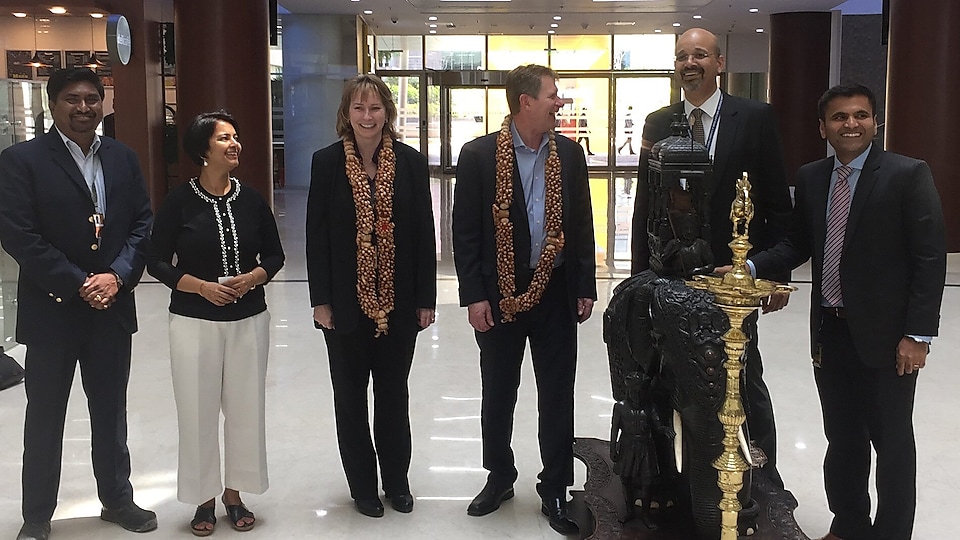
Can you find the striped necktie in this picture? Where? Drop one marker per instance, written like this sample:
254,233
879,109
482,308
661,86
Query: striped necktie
833,245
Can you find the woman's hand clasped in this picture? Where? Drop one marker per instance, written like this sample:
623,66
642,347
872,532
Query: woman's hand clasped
323,316
218,294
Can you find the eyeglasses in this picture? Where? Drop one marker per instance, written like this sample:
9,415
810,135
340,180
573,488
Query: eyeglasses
700,55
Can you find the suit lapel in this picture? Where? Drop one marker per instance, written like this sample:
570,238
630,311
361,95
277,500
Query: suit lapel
819,190
726,135
865,184
63,158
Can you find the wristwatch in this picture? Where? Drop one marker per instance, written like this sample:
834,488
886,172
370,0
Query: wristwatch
119,281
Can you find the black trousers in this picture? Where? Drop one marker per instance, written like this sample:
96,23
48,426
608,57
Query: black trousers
863,405
758,405
354,357
551,329
103,351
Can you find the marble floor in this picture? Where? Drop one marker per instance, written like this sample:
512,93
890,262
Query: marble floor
309,497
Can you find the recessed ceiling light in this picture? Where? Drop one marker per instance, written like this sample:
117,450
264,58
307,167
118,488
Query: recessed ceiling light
554,25
557,18
432,18
676,24
433,26
621,23
58,10
354,0
551,31
433,31
97,15
759,30
657,31
19,15
698,17
754,10
368,12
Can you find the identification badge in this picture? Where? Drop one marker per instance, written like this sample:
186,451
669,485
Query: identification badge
97,220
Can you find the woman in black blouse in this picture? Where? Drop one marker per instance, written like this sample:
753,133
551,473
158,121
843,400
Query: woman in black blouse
226,244
371,267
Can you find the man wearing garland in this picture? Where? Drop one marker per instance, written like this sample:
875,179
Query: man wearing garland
524,252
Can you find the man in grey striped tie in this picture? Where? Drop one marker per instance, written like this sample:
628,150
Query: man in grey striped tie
872,223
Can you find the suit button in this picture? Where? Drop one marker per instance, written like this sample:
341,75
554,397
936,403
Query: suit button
90,219
51,295
59,300
94,247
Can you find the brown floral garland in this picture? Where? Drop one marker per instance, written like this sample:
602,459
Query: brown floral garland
375,259
510,304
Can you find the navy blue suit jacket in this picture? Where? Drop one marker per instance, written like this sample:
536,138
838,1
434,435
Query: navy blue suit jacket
45,211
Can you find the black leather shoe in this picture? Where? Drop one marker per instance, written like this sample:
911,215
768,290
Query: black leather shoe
34,531
489,499
555,508
402,503
131,517
369,507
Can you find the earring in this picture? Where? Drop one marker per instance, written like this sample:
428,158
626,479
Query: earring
204,162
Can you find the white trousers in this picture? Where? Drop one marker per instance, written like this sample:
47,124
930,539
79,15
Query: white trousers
220,366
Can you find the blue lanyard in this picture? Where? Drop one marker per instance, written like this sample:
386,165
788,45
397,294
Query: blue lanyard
714,122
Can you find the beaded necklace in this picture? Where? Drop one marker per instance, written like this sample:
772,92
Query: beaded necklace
376,249
510,304
194,183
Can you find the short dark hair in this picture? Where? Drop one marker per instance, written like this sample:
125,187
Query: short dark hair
364,84
196,141
525,80
846,90
62,77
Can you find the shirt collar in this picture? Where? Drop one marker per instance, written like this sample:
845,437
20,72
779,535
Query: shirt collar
857,162
518,142
709,106
70,144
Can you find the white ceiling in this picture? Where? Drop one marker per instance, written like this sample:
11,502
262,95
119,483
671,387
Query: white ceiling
524,17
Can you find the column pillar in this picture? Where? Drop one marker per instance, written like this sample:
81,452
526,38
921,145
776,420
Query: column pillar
138,90
319,54
223,63
799,74
921,112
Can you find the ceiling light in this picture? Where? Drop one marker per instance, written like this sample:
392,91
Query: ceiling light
557,18
759,30
554,25
354,0
754,10
58,10
368,12
433,31
97,15
657,31
698,17
433,26
551,31
621,23
676,24
432,18
19,15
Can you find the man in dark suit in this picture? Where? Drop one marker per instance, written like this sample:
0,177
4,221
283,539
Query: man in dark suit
526,273
872,223
75,215
741,136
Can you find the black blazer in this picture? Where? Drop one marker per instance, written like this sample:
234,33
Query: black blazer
45,210
747,140
332,238
474,246
893,265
